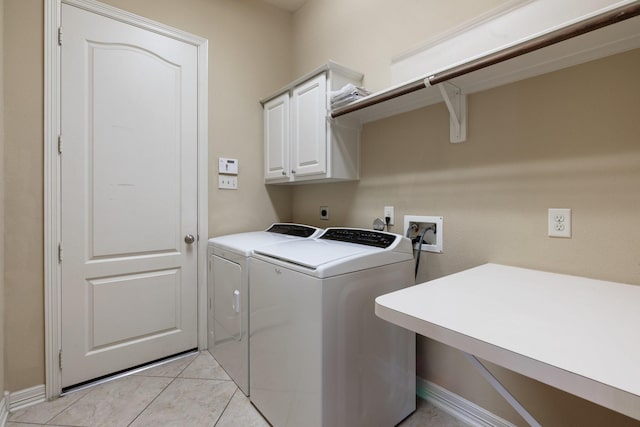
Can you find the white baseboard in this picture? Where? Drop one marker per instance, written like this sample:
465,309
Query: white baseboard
27,397
457,406
4,411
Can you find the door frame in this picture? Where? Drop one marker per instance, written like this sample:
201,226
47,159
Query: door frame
52,193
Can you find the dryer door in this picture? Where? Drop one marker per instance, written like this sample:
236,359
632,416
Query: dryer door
227,305
229,337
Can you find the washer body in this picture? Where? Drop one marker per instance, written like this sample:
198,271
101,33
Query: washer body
319,355
228,293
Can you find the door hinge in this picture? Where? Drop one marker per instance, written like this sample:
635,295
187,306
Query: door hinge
60,359
59,36
59,144
59,253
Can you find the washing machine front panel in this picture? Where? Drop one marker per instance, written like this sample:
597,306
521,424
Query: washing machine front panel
285,345
316,340
369,363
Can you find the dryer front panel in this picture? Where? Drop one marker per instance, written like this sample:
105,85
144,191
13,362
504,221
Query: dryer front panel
228,339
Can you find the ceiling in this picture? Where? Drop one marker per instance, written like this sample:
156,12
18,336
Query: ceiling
290,5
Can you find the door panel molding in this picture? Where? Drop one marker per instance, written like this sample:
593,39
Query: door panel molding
52,193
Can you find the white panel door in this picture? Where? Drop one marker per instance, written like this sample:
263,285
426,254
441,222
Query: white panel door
129,196
276,138
309,127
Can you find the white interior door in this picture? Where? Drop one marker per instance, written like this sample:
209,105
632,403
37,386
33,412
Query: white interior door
129,195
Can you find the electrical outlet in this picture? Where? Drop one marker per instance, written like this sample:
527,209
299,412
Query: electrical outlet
425,232
559,222
324,212
389,212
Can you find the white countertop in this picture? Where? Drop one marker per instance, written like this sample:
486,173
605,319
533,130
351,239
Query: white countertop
577,334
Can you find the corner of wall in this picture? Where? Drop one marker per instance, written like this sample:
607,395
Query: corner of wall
4,409
2,364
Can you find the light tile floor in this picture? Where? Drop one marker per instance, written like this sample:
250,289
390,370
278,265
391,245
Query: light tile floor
192,391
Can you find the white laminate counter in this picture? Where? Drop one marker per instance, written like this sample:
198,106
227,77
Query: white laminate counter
577,334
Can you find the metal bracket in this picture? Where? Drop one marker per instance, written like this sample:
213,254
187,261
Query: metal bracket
456,103
502,390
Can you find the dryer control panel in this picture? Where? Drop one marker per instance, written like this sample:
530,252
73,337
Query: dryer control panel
292,229
360,236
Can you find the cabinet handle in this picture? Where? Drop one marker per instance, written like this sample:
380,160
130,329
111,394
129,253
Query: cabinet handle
284,173
293,171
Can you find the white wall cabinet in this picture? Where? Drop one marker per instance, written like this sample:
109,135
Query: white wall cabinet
302,143
276,138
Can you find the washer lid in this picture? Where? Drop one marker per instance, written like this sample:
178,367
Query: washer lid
324,257
314,253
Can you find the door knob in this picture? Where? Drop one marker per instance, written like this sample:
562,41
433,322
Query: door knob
189,239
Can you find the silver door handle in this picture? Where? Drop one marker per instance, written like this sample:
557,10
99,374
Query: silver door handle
236,301
189,239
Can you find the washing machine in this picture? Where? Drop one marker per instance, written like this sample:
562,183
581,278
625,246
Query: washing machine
319,356
228,289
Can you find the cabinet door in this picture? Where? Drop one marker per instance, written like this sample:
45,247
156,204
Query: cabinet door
309,127
276,139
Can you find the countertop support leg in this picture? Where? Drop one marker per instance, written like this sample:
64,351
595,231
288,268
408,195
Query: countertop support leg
502,390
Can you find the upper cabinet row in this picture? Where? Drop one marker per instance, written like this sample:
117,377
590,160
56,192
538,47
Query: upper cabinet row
301,142
307,141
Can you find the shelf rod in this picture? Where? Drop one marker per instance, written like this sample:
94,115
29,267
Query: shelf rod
613,16
608,18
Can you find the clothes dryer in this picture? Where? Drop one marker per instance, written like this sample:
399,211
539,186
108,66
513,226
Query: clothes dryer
228,290
319,356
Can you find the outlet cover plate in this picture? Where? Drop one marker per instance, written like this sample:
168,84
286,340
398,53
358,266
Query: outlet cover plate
389,212
324,212
559,222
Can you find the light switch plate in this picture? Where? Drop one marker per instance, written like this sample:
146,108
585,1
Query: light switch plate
228,182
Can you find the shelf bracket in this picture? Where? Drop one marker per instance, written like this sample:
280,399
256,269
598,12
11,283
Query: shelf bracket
456,103
502,390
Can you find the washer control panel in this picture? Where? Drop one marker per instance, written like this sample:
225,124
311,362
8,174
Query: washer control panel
360,236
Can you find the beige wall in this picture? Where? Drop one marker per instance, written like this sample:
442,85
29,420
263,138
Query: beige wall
249,57
1,199
24,318
567,139
366,34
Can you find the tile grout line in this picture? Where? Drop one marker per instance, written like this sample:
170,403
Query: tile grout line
162,391
226,406
55,415
70,405
152,400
